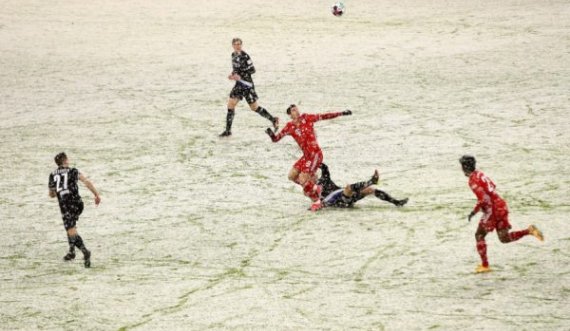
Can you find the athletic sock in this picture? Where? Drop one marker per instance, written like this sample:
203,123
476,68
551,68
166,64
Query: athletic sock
309,190
516,235
482,250
71,245
78,242
229,119
384,196
264,113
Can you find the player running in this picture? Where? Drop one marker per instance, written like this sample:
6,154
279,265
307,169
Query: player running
242,69
334,196
495,212
301,129
63,184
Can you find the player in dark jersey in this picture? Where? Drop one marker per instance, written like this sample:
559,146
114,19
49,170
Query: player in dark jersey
63,184
242,69
334,196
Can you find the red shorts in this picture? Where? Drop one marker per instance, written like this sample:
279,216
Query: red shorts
309,163
496,218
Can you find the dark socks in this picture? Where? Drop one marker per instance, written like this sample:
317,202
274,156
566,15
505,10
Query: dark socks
229,120
385,196
71,245
78,242
264,113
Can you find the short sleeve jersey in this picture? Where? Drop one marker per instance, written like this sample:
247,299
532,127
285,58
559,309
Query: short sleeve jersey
63,181
485,191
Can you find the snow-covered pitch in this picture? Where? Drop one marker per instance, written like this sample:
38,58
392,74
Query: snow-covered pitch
197,232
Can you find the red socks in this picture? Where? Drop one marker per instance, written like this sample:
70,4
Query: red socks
482,250
310,190
516,235
482,245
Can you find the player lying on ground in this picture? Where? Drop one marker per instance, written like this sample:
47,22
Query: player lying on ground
335,196
242,69
495,212
301,129
63,184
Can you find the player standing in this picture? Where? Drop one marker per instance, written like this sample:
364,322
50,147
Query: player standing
301,129
63,184
242,69
495,212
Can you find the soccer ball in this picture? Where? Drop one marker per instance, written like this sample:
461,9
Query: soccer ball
337,9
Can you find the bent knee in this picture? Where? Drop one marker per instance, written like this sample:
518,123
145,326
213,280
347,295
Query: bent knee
232,103
253,106
505,239
367,191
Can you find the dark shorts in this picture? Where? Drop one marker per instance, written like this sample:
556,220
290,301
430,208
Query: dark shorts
241,91
70,214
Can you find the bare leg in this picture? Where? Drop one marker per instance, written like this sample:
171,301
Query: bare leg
72,232
253,106
367,191
365,188
232,103
304,178
294,176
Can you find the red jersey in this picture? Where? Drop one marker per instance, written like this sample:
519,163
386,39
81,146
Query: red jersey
484,189
304,133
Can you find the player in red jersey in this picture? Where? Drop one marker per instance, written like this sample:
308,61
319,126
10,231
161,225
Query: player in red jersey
495,212
301,129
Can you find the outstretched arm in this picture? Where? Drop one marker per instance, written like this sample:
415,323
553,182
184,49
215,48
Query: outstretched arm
91,188
276,137
328,116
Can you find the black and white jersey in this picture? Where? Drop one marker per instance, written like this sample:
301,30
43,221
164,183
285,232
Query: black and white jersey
242,65
63,181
